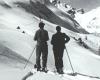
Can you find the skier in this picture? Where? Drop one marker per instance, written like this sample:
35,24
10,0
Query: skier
41,37
58,41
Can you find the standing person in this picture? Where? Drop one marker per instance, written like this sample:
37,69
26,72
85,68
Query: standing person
58,41
41,37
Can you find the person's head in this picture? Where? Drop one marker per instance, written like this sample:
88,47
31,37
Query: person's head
58,28
41,25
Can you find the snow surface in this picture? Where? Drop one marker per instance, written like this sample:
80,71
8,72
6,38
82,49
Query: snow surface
18,43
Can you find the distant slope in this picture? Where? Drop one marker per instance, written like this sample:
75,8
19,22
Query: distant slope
50,13
90,20
15,48
11,58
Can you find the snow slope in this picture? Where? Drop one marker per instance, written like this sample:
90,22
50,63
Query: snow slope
83,60
55,16
90,20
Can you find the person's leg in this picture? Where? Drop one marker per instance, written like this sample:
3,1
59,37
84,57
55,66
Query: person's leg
60,61
38,54
61,57
56,58
44,56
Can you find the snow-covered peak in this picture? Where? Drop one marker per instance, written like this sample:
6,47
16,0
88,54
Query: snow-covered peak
90,20
92,14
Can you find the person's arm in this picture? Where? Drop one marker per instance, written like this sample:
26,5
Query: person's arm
47,37
67,38
52,40
35,37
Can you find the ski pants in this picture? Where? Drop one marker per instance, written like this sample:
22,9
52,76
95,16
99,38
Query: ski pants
41,50
58,55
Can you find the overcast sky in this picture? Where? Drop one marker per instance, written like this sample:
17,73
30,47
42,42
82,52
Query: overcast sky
86,4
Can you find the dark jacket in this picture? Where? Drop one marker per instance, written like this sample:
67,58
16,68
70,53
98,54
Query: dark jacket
59,40
41,36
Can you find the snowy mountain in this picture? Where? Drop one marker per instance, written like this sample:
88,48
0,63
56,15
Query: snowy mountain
16,46
90,20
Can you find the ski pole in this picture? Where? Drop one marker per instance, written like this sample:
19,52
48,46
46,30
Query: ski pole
70,61
29,57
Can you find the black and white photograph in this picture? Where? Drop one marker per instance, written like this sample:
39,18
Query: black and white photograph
49,39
